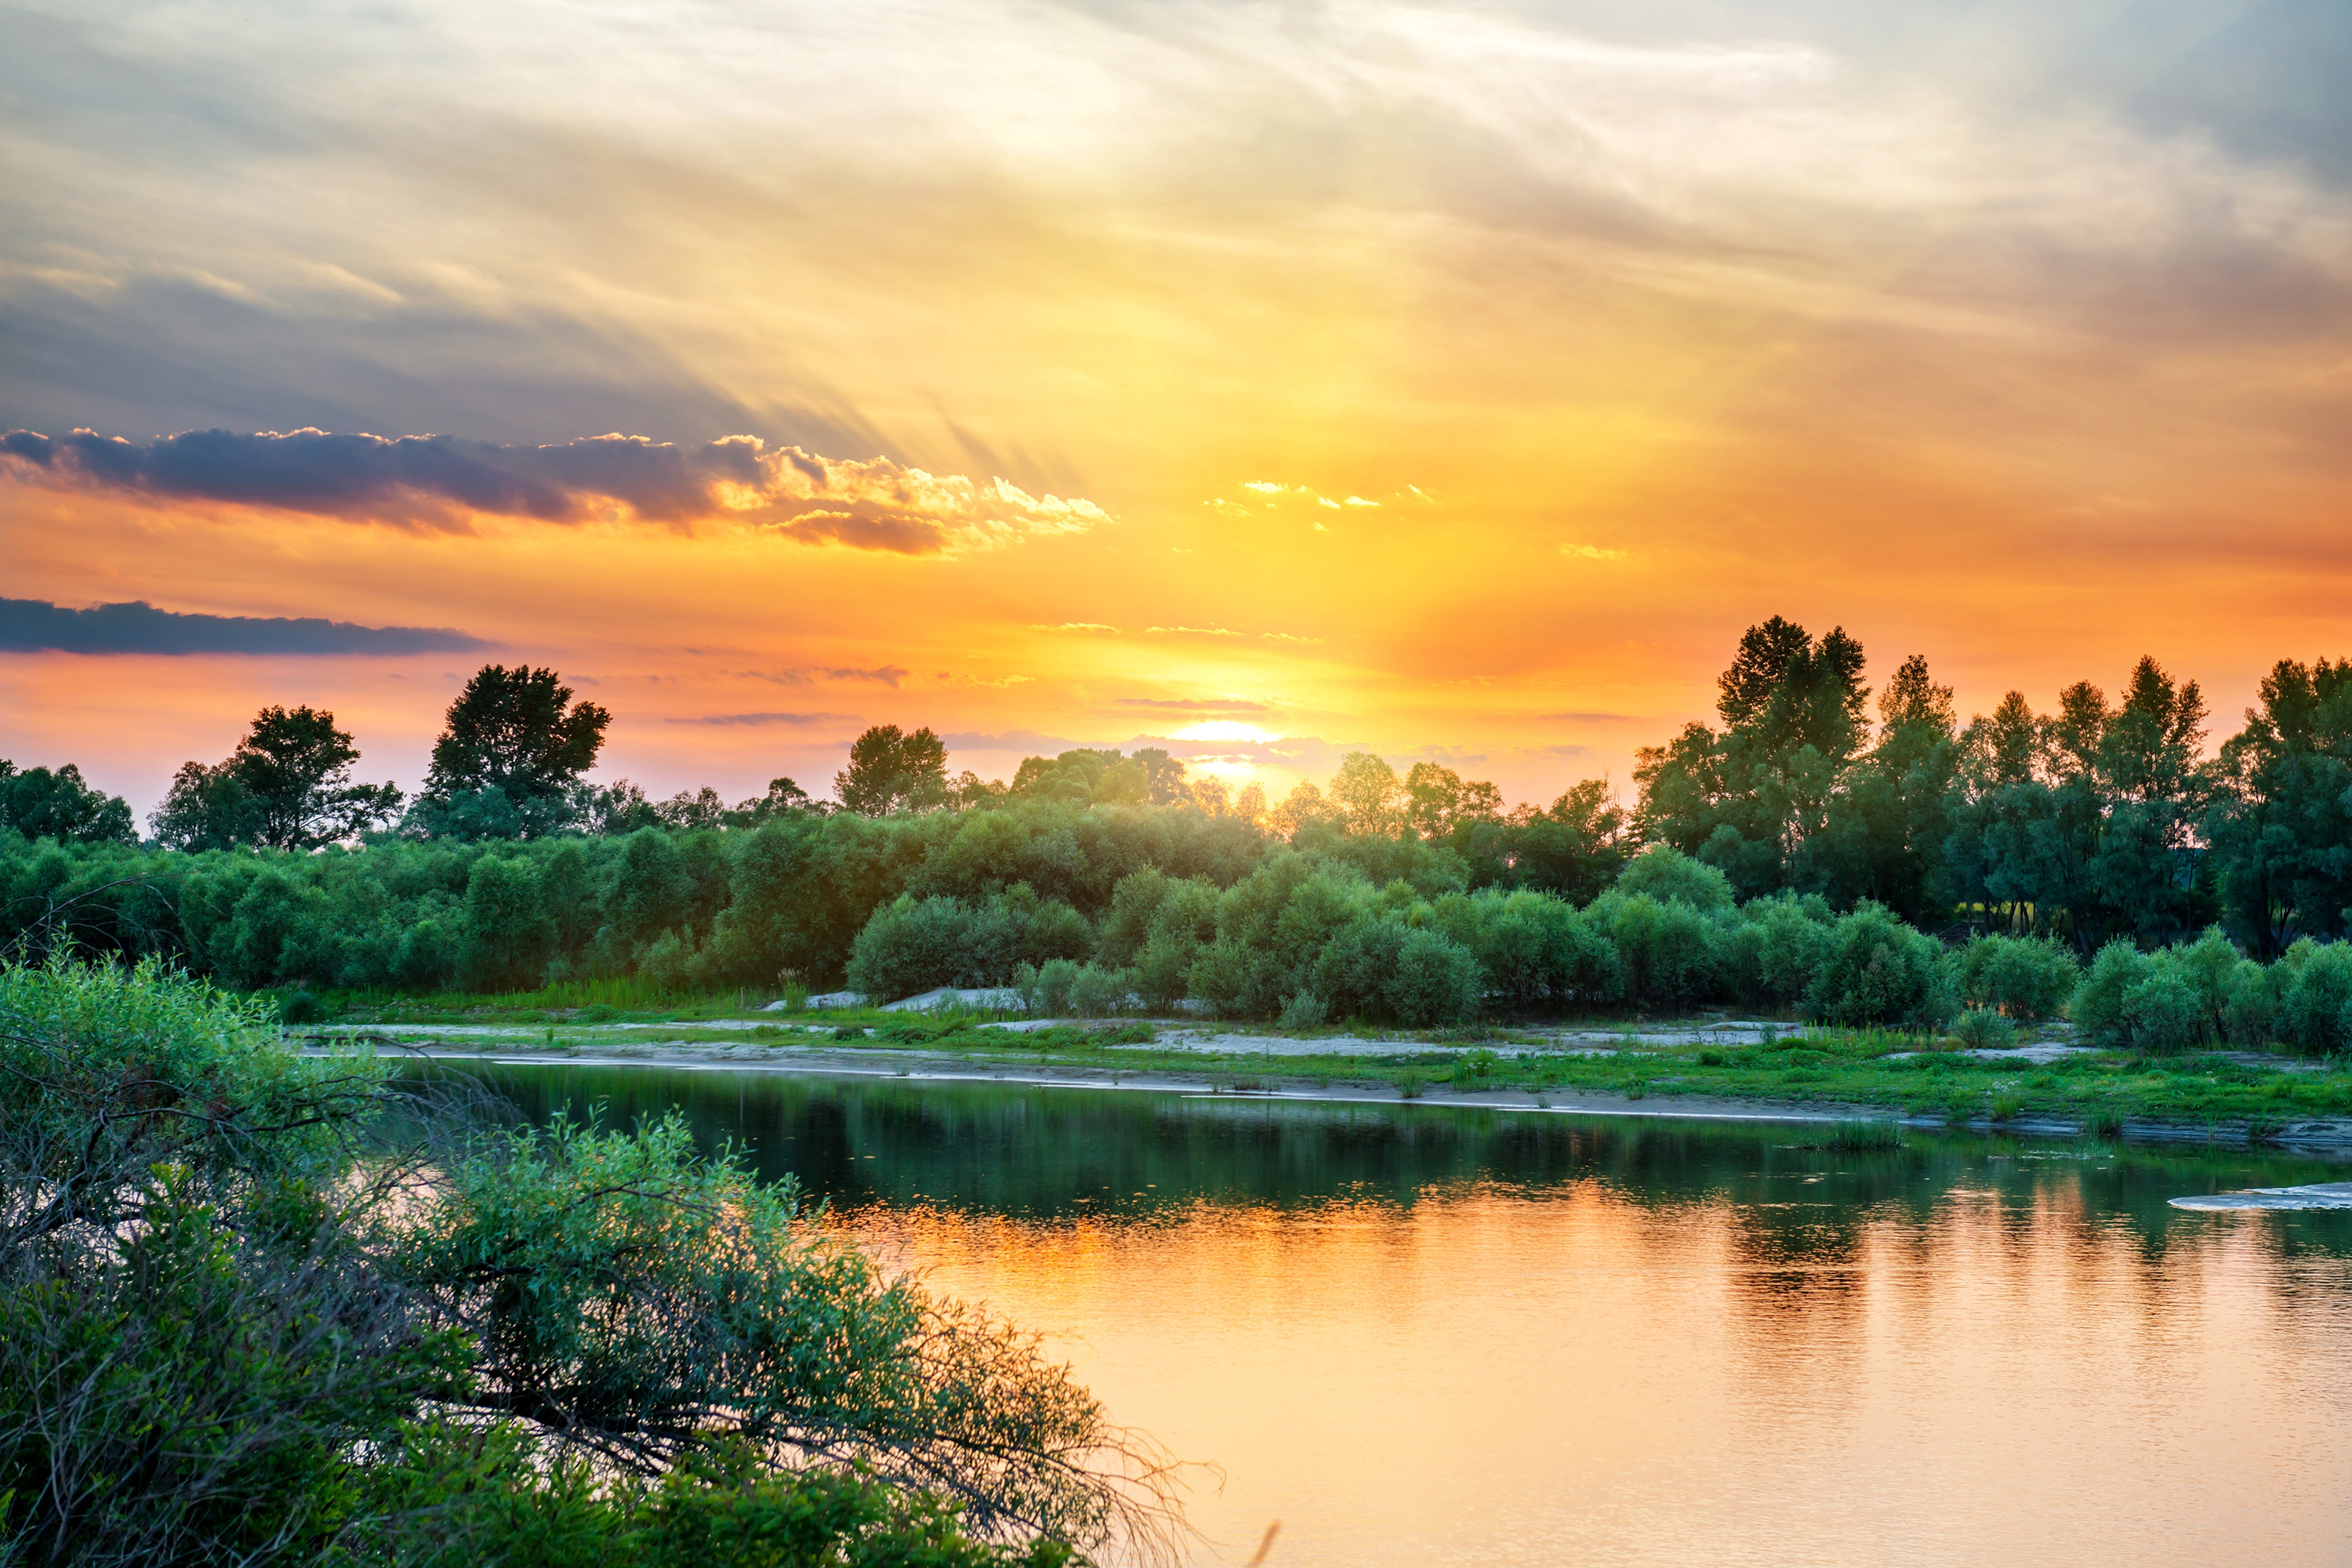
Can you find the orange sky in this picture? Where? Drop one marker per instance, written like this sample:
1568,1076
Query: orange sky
1960,332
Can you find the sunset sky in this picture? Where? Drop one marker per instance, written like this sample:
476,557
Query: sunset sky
1446,380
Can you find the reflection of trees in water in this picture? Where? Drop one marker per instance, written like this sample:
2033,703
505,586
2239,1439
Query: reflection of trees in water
1798,1218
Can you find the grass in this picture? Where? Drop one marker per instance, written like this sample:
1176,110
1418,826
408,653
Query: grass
1876,1069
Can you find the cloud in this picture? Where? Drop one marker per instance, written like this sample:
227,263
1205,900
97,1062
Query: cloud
761,718
1592,553
443,480
1224,632
1072,626
884,675
28,626
1593,718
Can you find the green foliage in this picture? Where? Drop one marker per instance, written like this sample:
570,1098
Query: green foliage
1881,970
238,1302
2316,1011
1983,1029
913,944
2026,978
891,772
1663,872
518,730
39,803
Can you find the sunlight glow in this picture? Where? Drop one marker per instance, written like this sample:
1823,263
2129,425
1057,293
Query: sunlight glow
1224,729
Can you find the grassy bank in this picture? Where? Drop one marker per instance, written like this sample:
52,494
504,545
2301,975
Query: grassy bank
2097,1090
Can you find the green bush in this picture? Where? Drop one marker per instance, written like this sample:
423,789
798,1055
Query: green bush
1772,955
1882,970
1436,981
1666,874
2026,978
2316,1011
1983,1030
2163,1011
1304,1010
2097,1008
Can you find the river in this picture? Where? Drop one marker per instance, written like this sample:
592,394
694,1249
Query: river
1437,1335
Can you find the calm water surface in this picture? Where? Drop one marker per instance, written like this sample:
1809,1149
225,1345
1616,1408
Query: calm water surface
1441,1336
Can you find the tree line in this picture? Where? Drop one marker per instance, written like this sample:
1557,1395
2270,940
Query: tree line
2095,821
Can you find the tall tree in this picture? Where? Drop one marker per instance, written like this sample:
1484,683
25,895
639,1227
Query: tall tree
1747,798
512,733
2280,821
890,772
295,768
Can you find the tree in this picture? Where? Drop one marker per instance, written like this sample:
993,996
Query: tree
39,803
2279,822
205,808
517,733
295,768
1366,795
892,771
1748,799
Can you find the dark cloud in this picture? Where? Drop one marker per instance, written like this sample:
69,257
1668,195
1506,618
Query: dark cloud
29,625
380,477
760,718
438,480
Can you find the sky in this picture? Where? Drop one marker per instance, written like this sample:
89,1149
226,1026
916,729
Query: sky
1453,382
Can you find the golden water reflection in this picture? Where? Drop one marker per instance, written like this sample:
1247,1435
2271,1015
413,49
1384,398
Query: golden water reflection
1492,1377
1422,1337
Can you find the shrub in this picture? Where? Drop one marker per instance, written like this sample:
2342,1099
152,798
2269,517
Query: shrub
2097,1008
1772,955
1667,952
1436,981
1881,970
1983,1030
2250,1012
1304,1010
1096,992
1666,874
2162,1010
2316,1013
300,1007
2026,978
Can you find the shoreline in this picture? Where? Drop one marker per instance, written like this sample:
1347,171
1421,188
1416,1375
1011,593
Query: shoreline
2311,1136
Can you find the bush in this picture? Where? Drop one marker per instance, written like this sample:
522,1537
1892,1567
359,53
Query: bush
1304,1010
2162,1010
2097,1009
1881,970
1436,981
1981,1029
2026,978
1773,954
2316,1013
300,1007
1667,952
2250,1012
1098,992
1666,874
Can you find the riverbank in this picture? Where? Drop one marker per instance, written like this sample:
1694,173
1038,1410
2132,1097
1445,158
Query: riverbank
1717,1069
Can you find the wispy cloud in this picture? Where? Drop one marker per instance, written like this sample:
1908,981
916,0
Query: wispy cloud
1592,553
444,481
764,719
883,675
1072,626
29,625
